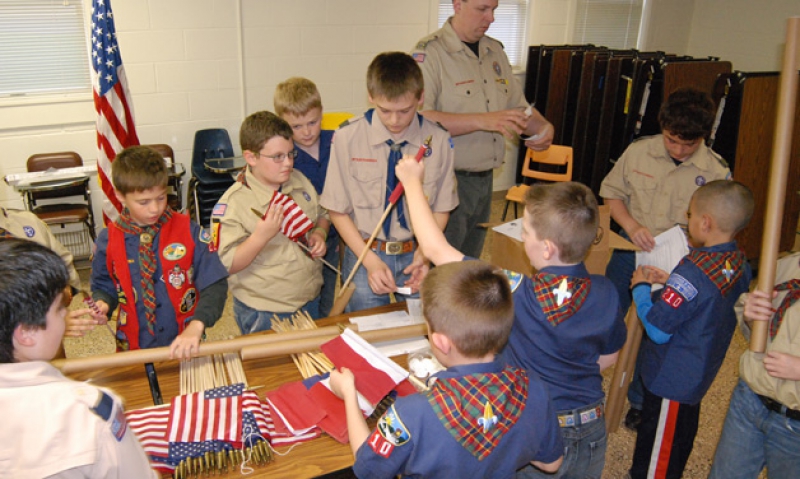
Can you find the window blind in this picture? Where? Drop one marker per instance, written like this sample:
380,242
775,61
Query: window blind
609,23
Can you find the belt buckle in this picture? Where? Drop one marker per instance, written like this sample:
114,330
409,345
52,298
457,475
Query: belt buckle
394,247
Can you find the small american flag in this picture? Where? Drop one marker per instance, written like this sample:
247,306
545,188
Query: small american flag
115,127
150,427
295,223
210,415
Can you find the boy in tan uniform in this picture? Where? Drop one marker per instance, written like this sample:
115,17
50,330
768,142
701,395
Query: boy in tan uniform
53,426
270,274
361,177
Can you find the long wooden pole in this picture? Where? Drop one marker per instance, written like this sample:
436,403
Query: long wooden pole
623,371
779,170
252,346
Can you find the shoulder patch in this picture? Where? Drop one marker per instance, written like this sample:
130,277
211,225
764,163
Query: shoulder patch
104,409
392,429
204,236
682,286
219,209
514,279
419,57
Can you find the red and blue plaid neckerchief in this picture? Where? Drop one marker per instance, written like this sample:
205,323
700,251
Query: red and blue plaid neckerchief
478,409
793,288
147,259
723,268
558,299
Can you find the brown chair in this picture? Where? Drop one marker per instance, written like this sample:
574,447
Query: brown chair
68,210
557,156
176,172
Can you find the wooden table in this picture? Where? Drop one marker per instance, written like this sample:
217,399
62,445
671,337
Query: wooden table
306,460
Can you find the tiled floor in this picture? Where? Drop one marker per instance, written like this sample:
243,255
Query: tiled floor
620,444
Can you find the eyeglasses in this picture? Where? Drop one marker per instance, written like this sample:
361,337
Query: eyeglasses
280,156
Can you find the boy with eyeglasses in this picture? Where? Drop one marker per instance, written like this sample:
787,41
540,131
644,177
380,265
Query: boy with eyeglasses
270,273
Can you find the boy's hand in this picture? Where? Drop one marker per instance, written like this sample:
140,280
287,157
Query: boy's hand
418,269
78,324
656,275
379,276
782,366
408,169
316,243
641,237
269,226
640,275
187,344
343,383
758,306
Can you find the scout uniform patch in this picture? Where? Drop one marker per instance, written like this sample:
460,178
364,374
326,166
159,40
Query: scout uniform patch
174,251
389,433
104,408
188,300
723,269
514,279
177,277
204,236
29,232
560,296
478,410
677,289
419,57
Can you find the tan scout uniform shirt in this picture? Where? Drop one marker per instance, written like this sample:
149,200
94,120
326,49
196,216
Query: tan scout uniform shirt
281,278
751,365
26,225
356,180
50,430
655,191
456,81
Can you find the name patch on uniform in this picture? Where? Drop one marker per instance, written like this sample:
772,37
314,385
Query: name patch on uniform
29,232
364,160
219,209
419,57
682,286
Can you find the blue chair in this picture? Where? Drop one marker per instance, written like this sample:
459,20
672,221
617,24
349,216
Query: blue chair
206,187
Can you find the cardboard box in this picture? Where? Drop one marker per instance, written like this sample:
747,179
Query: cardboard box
508,251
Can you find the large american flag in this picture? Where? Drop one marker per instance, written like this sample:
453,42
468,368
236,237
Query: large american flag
210,415
115,127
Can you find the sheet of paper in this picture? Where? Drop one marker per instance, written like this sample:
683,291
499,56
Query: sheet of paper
512,229
671,247
396,347
394,319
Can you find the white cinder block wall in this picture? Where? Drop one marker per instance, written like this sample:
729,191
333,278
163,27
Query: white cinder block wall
195,64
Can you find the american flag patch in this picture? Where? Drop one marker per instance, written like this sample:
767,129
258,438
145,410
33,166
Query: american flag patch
219,209
419,57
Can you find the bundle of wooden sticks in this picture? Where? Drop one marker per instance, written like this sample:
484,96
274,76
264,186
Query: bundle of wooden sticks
309,363
209,372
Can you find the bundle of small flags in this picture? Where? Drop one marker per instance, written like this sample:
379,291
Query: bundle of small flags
203,432
306,406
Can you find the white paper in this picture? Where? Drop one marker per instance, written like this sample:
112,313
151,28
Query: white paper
414,307
512,229
671,247
406,290
396,347
394,319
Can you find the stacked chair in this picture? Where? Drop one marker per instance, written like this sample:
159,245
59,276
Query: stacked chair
206,187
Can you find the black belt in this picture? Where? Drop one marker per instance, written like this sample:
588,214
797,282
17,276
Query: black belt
480,174
779,408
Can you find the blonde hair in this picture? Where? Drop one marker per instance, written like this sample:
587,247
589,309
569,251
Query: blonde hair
296,96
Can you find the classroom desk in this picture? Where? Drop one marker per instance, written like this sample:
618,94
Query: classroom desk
307,460
225,165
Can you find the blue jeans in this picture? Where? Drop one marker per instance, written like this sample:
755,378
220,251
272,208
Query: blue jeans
363,297
252,320
620,271
328,292
584,453
754,437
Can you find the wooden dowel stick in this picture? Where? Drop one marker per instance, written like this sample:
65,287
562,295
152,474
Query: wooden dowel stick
779,170
367,246
624,369
141,356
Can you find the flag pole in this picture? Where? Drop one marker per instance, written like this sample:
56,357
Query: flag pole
396,194
779,170
624,369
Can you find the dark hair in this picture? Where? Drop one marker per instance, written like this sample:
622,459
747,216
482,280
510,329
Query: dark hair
260,127
138,168
470,303
566,214
392,75
729,202
33,277
688,114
